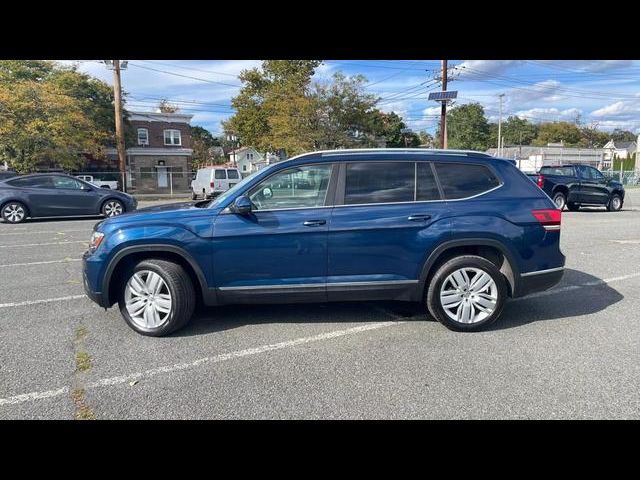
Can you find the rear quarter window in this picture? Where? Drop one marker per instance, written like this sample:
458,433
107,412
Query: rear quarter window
220,175
233,174
460,180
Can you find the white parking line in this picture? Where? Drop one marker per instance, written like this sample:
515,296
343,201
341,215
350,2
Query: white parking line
44,244
27,397
58,232
44,300
66,260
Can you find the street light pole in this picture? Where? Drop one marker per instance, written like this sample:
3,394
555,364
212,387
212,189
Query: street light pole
500,127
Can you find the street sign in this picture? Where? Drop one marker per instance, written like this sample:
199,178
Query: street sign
443,96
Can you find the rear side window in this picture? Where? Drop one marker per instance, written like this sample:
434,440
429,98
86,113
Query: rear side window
31,182
379,182
220,175
426,186
561,171
460,180
233,174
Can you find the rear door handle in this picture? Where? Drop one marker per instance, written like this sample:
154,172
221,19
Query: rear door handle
314,223
418,218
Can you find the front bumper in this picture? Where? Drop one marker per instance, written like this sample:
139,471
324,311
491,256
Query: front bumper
87,270
538,281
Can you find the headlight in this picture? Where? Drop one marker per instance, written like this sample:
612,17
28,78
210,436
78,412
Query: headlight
96,240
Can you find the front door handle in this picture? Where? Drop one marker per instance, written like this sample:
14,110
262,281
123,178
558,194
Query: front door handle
314,223
418,218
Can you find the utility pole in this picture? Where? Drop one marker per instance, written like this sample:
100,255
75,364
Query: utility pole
116,66
443,108
500,127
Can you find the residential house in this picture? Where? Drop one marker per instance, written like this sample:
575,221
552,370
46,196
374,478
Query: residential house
619,150
160,159
245,159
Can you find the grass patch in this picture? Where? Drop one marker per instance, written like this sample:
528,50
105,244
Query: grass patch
81,332
83,361
83,412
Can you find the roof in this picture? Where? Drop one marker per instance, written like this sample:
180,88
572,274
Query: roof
160,117
622,145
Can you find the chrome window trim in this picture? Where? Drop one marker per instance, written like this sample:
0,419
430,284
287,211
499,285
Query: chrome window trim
321,285
541,272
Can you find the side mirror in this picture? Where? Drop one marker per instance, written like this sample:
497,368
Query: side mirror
242,205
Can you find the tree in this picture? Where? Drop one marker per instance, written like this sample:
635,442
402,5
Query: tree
426,139
202,142
390,127
619,135
518,131
345,113
165,107
592,137
468,128
51,114
557,132
274,109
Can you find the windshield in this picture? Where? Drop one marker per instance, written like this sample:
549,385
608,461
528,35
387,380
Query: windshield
221,198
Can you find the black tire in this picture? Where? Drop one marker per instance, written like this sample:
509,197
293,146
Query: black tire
615,203
193,195
560,199
112,208
14,212
466,261
573,207
182,293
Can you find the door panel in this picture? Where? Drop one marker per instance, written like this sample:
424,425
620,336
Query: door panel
265,250
593,189
71,199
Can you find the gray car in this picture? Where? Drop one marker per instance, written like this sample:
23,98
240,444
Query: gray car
58,195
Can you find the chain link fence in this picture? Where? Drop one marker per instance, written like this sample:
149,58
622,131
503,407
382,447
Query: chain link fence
629,178
152,181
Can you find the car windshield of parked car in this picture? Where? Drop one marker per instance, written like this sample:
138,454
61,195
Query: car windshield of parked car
298,187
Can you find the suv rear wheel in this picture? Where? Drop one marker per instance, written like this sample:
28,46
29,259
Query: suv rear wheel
157,297
467,293
14,212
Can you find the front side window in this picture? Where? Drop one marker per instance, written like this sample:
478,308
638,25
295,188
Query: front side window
143,136
379,182
460,180
66,183
584,173
172,137
299,187
596,175
233,174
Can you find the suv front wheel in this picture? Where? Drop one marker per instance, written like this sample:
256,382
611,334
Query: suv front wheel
157,297
467,293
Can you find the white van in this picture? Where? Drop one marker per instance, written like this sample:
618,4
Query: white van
212,181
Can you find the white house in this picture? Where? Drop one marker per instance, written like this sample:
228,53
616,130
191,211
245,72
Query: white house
619,149
245,158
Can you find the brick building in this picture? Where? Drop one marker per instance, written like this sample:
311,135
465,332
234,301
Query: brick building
160,159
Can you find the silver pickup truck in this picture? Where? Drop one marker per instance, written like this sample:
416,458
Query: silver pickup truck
113,185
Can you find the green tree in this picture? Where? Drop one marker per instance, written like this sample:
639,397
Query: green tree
390,127
468,128
593,138
619,135
344,113
274,109
518,131
202,142
557,132
426,139
50,113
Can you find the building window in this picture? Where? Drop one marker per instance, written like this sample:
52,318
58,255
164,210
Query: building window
172,137
143,136
244,168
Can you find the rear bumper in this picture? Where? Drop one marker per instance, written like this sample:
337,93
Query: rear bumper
538,281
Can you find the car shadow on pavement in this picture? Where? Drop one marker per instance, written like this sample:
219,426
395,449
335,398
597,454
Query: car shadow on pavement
578,294
227,317
587,295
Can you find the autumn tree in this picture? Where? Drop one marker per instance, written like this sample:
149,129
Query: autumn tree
50,113
468,128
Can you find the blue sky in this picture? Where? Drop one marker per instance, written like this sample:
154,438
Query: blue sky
604,93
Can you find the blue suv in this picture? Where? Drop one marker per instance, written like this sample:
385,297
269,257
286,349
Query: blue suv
459,231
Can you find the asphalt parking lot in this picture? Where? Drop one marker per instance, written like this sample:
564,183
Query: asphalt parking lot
571,352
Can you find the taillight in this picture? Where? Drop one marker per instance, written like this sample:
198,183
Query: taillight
549,218
540,181
213,185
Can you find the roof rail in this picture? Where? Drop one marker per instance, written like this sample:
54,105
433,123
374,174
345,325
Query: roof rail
433,151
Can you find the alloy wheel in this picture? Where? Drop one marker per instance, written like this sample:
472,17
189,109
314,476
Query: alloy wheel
469,295
13,213
148,299
113,208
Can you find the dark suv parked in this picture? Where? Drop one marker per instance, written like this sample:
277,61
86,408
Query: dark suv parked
459,231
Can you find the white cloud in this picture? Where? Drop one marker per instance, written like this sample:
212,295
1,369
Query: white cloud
490,67
549,114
